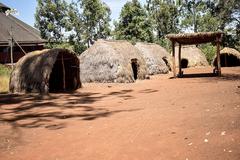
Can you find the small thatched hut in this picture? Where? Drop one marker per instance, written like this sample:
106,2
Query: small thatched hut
49,70
191,57
157,58
229,57
112,61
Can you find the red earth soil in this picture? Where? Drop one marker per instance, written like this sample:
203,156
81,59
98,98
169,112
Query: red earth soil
193,118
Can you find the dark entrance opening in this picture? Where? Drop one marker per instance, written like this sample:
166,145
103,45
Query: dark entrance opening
184,63
229,60
167,63
135,68
65,73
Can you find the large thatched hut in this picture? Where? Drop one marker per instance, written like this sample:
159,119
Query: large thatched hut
191,56
49,70
229,57
157,58
112,61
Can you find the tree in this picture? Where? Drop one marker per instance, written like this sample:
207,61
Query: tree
164,14
51,19
95,20
193,12
75,27
134,24
227,13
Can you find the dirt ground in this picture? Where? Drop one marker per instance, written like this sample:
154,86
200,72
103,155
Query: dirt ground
193,118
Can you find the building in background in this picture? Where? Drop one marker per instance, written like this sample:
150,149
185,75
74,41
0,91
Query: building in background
24,38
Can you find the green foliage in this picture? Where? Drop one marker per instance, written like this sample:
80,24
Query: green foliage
192,12
213,15
4,70
209,50
51,19
164,14
164,43
78,24
134,24
74,25
95,20
4,78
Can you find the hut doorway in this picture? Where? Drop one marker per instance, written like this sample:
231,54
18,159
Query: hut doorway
135,68
65,74
184,63
165,60
229,60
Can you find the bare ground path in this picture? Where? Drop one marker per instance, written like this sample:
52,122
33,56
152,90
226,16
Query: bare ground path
158,119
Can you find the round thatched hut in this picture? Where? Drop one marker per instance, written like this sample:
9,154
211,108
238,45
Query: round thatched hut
49,70
229,57
112,61
157,58
191,56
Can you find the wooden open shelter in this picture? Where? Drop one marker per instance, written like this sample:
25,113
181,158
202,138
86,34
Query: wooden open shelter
191,39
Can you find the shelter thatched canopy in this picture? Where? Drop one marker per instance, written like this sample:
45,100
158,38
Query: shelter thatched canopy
194,38
49,70
229,57
112,61
157,58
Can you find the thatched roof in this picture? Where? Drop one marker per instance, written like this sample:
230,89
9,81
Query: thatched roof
193,55
153,55
22,32
228,57
111,61
41,71
231,51
194,38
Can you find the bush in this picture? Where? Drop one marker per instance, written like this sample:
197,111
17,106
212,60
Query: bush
165,43
209,50
4,78
4,71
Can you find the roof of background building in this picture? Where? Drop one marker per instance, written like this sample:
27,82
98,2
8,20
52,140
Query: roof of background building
21,32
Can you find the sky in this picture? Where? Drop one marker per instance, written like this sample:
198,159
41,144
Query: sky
26,8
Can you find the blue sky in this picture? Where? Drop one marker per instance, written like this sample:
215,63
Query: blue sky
26,8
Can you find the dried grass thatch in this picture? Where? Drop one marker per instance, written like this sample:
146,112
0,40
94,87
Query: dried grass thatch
112,61
195,38
43,71
157,58
191,56
229,57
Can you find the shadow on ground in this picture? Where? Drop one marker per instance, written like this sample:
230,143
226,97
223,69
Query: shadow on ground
211,76
52,111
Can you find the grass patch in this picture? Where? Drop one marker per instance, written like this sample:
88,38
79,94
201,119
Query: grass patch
4,78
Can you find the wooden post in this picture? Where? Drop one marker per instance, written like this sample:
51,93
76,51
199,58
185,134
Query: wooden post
11,51
64,80
218,56
173,59
179,61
